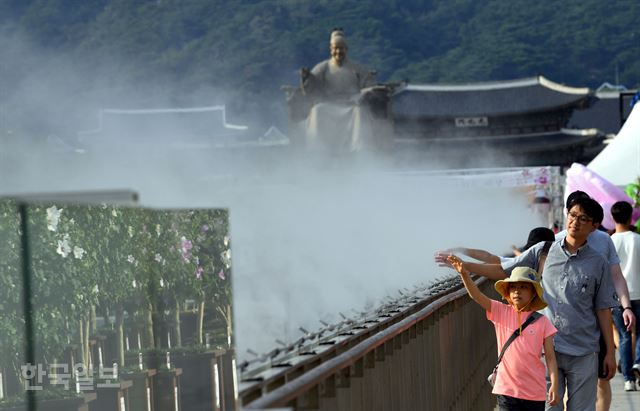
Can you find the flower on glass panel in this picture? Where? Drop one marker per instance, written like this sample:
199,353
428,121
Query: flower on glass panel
53,218
185,244
226,258
199,272
78,252
64,247
221,274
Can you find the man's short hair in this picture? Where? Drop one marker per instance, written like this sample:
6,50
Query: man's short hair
591,208
621,212
573,196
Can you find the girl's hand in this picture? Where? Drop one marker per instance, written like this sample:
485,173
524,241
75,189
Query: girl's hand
456,263
552,395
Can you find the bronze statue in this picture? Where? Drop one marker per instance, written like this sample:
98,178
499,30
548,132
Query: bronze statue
334,106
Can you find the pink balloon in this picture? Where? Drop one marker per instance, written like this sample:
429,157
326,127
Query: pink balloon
606,193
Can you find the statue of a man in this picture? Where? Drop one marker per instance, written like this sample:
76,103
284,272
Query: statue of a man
337,120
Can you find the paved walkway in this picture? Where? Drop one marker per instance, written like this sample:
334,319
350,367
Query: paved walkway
622,400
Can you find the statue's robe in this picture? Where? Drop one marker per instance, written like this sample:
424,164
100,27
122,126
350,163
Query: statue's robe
337,121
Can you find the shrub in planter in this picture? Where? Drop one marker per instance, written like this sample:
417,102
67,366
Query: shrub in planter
167,389
199,382
165,384
141,392
114,397
132,359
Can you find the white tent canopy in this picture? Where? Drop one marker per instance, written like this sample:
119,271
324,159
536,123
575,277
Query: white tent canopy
619,162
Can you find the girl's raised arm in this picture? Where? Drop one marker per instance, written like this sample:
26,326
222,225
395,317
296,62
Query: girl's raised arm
473,290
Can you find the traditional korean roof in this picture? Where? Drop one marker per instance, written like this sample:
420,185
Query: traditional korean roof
184,124
194,128
533,94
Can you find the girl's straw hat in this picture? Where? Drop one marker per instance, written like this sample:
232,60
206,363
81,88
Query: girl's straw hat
524,275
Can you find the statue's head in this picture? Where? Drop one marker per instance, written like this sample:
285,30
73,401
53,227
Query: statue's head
338,46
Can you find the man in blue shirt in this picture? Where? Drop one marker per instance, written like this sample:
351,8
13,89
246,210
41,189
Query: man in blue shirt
602,243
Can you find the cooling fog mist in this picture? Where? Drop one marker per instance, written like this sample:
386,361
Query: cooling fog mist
307,244
303,253
311,237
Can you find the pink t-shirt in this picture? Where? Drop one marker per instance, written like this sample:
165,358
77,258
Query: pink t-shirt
521,373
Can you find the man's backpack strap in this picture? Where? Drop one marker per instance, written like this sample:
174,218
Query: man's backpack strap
543,256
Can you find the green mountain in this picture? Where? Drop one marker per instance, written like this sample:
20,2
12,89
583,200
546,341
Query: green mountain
240,52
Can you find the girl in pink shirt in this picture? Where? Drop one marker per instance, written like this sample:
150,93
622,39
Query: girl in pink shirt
520,382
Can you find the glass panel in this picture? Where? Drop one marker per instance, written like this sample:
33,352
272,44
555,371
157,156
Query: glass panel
132,307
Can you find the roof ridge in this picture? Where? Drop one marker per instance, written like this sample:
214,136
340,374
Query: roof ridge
500,84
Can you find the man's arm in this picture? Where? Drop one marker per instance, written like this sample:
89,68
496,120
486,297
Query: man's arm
552,368
492,271
605,323
496,271
480,255
620,284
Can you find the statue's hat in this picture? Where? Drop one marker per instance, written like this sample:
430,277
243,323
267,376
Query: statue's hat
337,36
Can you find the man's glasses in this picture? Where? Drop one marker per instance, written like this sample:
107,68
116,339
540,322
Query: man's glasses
583,219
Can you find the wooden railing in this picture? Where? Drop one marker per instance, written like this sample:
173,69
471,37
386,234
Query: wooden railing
433,355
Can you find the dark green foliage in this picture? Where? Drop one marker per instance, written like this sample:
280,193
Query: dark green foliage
574,42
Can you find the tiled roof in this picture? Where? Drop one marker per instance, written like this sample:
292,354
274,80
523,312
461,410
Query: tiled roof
492,98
